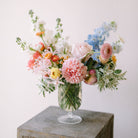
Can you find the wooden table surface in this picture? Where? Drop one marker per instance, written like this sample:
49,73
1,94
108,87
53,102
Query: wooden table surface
45,125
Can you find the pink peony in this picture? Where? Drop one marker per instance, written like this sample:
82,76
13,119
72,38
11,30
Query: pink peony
73,70
106,51
80,50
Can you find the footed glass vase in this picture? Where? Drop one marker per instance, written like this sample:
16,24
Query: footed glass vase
69,99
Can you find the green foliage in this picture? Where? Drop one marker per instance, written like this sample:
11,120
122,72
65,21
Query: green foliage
109,77
45,86
89,64
22,44
59,29
41,27
118,71
69,96
31,49
34,18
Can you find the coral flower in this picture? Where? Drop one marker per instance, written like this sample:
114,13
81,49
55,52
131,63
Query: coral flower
55,58
73,70
31,63
55,73
106,51
36,55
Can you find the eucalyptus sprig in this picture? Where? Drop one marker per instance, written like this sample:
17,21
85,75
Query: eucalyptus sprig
21,43
46,87
34,18
59,29
109,77
24,45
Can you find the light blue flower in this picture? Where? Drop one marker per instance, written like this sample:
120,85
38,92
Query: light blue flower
93,41
95,56
100,34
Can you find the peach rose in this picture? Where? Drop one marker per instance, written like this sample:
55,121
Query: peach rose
80,50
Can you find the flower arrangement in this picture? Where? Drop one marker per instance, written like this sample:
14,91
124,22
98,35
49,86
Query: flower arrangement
58,62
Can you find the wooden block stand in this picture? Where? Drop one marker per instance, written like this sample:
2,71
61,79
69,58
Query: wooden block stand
45,125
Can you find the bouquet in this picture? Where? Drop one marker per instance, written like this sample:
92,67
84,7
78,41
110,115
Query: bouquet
66,65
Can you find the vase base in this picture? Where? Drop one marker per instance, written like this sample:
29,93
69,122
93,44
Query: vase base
69,119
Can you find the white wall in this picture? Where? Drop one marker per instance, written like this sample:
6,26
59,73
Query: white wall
19,99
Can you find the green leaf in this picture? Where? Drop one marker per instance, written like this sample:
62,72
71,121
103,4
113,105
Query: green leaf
31,12
89,64
97,74
58,20
118,71
30,48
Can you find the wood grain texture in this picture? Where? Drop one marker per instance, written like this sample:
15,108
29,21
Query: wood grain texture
45,125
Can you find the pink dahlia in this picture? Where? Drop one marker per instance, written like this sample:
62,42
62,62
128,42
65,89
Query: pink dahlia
73,70
106,51
80,50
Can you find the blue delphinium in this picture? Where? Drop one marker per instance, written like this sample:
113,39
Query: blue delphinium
95,56
93,41
100,34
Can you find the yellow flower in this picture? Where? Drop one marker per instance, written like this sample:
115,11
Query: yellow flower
55,73
114,59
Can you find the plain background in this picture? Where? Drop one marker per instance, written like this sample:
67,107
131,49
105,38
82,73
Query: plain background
19,94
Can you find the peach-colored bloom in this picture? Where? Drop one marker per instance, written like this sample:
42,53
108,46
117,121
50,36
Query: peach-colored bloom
80,50
73,70
91,80
102,60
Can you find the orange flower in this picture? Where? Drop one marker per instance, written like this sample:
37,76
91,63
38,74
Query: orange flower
55,58
43,47
39,33
57,62
66,58
62,58
61,62
114,59
48,55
